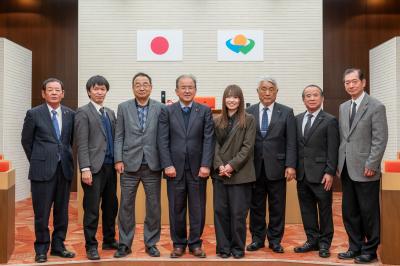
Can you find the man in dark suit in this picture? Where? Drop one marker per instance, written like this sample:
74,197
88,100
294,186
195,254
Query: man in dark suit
317,144
137,160
363,137
186,146
47,140
94,136
275,162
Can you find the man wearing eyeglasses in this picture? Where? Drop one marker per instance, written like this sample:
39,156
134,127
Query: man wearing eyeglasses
275,159
186,141
137,160
363,138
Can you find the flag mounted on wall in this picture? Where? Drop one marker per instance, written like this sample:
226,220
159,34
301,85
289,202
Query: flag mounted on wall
240,45
159,45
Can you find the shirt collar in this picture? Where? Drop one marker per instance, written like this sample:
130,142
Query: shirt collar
315,114
359,99
183,105
138,105
58,109
96,105
270,107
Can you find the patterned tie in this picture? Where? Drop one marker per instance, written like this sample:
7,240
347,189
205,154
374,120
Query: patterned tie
264,122
55,124
353,113
308,125
142,117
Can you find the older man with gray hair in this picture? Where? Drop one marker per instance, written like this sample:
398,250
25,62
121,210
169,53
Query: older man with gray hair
275,159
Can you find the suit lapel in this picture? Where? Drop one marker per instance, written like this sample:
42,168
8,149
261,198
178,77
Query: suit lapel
150,114
47,117
300,127
276,114
96,117
255,111
178,115
320,117
193,116
360,112
229,139
133,110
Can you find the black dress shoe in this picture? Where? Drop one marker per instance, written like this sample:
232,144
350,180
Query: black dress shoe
92,254
122,251
110,246
238,255
324,253
62,253
152,251
40,258
277,248
224,255
365,258
348,255
306,247
255,246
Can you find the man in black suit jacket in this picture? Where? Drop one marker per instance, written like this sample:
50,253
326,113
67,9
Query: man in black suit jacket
186,146
94,137
317,144
275,162
47,140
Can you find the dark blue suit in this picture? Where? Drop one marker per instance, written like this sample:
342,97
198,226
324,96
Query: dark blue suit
187,148
51,171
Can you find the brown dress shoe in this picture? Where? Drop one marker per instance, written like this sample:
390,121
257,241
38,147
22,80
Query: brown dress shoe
198,252
177,252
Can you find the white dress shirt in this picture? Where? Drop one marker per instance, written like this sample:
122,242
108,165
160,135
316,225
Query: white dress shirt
305,118
269,113
59,115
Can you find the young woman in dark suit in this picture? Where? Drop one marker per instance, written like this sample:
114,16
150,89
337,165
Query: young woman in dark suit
234,173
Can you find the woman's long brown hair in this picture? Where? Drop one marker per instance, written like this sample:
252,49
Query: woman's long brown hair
222,120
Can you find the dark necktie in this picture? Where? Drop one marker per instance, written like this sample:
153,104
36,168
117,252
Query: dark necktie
186,115
264,122
353,113
55,124
101,111
308,125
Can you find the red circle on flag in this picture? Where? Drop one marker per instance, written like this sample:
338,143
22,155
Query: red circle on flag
159,45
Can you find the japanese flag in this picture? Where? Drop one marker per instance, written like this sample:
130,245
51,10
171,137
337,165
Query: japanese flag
159,45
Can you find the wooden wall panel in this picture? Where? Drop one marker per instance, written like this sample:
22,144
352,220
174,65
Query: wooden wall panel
50,30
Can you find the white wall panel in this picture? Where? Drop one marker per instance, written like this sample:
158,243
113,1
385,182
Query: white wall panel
292,45
385,86
15,100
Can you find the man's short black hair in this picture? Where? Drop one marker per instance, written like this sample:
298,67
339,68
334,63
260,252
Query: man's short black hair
141,74
97,80
360,73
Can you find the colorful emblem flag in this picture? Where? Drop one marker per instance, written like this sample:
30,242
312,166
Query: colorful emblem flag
240,45
159,45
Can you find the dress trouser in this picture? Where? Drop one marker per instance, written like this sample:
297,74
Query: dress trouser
103,189
231,206
45,194
187,191
275,192
316,212
361,213
151,181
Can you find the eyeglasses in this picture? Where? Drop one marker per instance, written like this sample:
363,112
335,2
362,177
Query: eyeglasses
144,86
186,88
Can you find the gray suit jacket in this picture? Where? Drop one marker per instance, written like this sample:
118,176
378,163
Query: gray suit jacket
175,141
90,136
317,152
363,145
131,142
